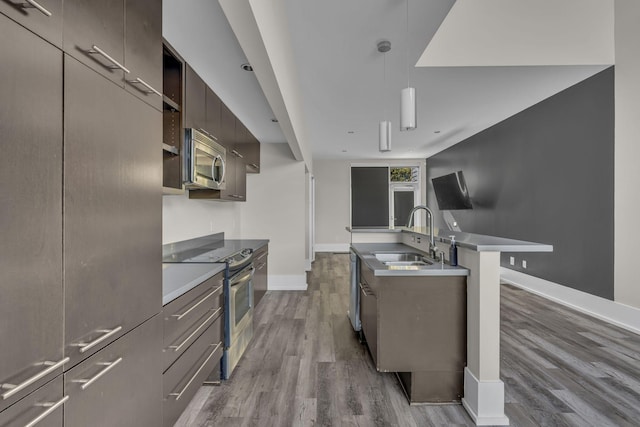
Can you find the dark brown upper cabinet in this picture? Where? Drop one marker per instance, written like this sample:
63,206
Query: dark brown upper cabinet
143,50
212,114
195,100
235,168
203,110
94,33
172,129
247,148
252,154
43,17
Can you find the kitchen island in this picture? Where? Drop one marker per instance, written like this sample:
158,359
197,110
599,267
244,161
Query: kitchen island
413,318
480,254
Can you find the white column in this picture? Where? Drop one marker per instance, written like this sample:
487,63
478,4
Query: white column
483,389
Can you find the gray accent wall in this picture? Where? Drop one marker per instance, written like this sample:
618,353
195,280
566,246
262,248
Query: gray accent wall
545,175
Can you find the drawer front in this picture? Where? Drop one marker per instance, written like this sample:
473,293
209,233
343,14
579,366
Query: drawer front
119,385
43,406
185,376
174,349
186,313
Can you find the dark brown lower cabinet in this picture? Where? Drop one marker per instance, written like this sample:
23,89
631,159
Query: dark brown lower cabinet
260,278
44,407
188,316
112,211
121,385
186,375
31,291
193,344
369,318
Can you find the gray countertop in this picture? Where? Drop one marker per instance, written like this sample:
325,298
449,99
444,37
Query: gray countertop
188,263
476,242
366,253
177,279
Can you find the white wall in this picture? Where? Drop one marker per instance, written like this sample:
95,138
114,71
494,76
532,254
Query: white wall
275,210
333,200
627,152
332,204
184,219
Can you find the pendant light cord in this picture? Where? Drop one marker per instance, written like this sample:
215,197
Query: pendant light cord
384,85
407,50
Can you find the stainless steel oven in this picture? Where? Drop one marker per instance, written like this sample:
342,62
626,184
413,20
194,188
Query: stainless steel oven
238,310
204,162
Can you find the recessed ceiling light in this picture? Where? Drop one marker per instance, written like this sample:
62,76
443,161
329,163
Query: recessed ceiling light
274,120
344,151
246,66
437,131
350,132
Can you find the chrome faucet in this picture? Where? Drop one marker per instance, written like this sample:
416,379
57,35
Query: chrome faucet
433,249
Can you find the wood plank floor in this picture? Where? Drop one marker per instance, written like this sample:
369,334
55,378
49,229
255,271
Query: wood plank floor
305,367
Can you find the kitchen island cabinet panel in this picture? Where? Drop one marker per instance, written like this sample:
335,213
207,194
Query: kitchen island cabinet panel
113,207
416,326
143,49
31,301
45,22
99,23
369,318
120,385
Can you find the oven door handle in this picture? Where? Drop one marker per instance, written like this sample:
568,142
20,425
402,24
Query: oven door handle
244,278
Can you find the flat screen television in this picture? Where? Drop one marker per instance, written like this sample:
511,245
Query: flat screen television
451,192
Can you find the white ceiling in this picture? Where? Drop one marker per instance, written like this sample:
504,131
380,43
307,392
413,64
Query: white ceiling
340,75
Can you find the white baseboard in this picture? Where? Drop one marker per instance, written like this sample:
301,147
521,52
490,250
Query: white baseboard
484,401
307,265
287,282
332,247
621,315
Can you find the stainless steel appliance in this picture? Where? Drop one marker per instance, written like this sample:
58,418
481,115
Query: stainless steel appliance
354,293
238,310
204,162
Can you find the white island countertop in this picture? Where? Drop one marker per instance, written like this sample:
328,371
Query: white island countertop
476,242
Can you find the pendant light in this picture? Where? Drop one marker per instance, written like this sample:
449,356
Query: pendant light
408,95
384,134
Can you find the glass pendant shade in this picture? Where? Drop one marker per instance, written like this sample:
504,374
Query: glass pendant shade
385,136
408,109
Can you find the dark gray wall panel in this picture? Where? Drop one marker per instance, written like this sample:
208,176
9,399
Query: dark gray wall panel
546,175
370,196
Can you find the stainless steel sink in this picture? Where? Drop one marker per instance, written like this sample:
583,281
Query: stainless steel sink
403,260
385,257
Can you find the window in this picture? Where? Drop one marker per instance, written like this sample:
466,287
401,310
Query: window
405,193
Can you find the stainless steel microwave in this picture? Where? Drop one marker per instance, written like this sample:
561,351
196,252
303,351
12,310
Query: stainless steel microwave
205,162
